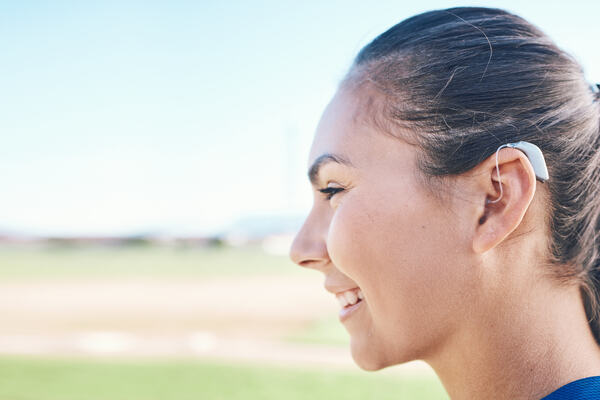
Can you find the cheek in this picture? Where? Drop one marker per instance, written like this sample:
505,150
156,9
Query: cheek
385,238
405,257
350,237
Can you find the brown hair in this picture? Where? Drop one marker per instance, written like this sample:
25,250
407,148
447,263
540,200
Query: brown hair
470,79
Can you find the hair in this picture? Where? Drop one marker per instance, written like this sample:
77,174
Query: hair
466,80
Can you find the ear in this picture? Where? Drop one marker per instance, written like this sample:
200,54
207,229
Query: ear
499,219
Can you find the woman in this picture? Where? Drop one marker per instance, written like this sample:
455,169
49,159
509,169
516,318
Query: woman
439,234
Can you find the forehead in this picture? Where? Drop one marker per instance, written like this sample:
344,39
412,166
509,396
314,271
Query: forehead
347,131
340,130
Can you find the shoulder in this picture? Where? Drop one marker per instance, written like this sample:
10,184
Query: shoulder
581,389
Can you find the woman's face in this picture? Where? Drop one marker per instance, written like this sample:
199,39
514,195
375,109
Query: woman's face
383,237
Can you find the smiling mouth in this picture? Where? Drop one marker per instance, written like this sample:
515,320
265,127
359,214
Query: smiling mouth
350,297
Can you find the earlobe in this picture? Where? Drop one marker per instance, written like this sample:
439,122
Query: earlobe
502,209
491,229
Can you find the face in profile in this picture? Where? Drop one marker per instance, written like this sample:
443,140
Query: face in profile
393,253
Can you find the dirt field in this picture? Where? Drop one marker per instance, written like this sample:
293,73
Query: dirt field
261,306
242,319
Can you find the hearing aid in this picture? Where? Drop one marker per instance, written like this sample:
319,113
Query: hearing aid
535,157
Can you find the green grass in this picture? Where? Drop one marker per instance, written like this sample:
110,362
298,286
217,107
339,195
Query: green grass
145,261
45,379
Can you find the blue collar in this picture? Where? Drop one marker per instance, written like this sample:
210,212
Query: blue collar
582,389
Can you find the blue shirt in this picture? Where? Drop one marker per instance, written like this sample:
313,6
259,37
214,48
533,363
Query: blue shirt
582,389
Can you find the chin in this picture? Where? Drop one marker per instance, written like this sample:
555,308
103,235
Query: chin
371,358
368,365
367,358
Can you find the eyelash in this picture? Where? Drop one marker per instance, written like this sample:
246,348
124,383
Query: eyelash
330,192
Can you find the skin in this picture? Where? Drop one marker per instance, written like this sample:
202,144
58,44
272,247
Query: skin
468,295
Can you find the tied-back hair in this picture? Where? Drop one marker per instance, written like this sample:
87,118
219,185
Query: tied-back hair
466,80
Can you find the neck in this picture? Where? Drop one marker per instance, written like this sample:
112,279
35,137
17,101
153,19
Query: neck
524,349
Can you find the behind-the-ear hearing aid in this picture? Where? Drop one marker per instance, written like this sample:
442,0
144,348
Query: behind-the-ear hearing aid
535,157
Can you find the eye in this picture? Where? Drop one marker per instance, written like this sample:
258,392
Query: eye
329,192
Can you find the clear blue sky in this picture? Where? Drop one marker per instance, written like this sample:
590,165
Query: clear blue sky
125,116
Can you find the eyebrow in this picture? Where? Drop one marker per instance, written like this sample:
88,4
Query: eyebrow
313,171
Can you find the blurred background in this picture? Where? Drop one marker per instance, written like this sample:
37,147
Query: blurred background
153,170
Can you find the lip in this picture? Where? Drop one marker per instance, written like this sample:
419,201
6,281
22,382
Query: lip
335,288
347,312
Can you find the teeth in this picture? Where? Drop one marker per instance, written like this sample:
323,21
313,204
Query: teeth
351,297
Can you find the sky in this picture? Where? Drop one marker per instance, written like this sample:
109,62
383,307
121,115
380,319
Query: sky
182,117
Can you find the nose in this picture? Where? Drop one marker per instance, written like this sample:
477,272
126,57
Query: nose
309,248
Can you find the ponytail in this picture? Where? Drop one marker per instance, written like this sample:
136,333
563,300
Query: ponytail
590,288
